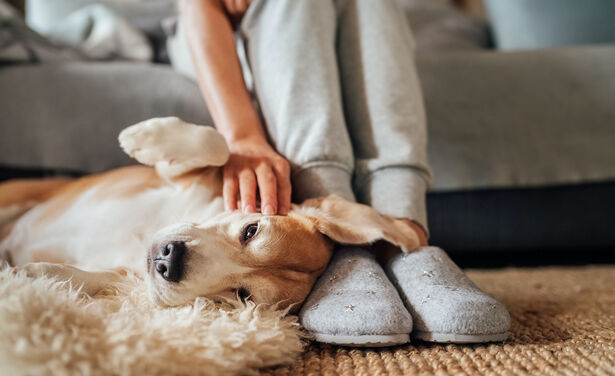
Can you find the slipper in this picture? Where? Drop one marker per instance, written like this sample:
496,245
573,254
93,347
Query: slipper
445,304
354,304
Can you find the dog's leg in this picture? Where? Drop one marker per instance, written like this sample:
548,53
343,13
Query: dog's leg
89,282
173,146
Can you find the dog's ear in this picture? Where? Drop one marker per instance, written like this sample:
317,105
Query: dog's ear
351,223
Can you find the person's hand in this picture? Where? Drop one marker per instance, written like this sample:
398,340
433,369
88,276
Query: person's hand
419,231
385,251
236,9
253,163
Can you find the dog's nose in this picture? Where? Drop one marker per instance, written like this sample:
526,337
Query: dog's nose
169,261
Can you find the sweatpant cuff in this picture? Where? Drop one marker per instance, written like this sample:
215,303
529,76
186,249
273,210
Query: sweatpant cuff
322,180
398,192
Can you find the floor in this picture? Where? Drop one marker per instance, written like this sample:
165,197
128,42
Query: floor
563,323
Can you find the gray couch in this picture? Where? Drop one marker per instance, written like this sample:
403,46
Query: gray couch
521,142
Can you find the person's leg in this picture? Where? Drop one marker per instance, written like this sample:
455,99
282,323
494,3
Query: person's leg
291,52
383,108
386,120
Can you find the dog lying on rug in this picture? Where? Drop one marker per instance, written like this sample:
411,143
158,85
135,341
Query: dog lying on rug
167,224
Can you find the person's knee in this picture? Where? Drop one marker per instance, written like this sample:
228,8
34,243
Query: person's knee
287,15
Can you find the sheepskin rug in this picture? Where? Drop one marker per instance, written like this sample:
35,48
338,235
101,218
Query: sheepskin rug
49,328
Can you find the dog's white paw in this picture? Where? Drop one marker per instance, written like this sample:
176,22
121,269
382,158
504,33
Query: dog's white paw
174,146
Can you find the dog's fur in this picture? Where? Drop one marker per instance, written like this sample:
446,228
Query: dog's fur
89,230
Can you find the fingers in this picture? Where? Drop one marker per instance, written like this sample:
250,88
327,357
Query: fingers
247,190
420,232
282,172
250,177
242,5
230,187
236,7
229,5
267,186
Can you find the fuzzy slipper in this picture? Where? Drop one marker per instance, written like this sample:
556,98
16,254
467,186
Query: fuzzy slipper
445,305
354,304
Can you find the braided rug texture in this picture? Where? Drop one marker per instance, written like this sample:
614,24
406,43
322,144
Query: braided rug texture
563,323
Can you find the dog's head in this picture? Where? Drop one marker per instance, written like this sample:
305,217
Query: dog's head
271,259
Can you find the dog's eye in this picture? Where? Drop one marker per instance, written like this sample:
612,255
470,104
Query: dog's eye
243,294
248,232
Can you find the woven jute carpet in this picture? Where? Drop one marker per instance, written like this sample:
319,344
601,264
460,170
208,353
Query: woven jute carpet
563,323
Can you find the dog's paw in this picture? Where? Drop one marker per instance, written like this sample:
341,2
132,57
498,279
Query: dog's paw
174,146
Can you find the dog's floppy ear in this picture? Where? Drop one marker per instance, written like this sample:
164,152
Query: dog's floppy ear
351,223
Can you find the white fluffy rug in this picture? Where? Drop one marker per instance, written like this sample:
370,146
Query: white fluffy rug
48,328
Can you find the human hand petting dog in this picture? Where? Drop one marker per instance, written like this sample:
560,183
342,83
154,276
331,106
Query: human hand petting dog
236,9
255,167
419,231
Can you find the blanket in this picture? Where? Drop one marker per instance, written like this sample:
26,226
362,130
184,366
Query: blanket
93,32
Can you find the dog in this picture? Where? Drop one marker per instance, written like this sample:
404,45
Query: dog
165,221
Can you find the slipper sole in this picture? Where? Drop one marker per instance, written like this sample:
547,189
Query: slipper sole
364,340
459,338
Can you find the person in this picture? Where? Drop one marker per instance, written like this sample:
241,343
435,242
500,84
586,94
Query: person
327,100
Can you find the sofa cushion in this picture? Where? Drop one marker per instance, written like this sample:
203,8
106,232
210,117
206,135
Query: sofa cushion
69,115
44,15
439,26
527,24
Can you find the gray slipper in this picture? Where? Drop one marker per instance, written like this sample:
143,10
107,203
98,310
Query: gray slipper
445,304
354,304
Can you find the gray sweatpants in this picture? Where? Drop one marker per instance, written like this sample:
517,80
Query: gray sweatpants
340,98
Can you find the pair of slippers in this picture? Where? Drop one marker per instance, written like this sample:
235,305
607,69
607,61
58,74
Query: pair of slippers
358,303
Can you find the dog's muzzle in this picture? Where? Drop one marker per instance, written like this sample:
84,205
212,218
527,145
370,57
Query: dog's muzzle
169,260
